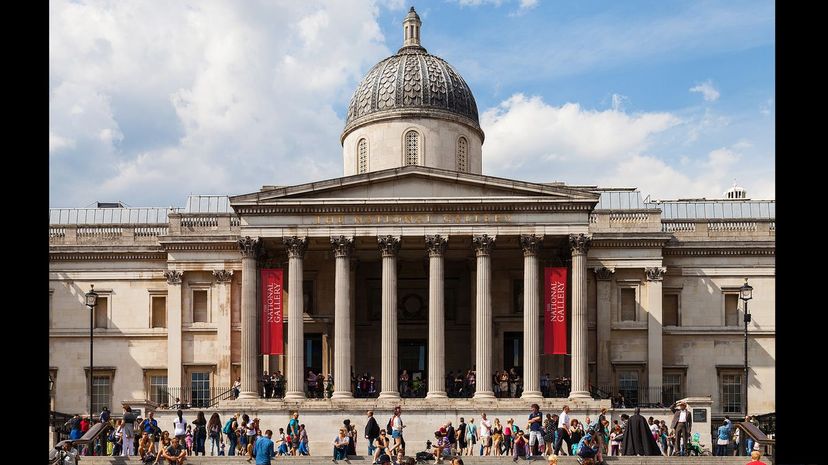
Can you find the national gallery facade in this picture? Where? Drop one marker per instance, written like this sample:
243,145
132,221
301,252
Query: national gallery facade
414,260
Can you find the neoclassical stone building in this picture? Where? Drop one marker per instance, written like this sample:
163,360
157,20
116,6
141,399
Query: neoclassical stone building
415,260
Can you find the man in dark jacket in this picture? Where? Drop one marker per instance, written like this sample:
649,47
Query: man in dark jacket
638,439
372,431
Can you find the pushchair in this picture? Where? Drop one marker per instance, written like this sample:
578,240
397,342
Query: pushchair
696,447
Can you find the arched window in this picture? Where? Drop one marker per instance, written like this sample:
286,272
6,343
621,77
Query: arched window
362,156
412,148
462,154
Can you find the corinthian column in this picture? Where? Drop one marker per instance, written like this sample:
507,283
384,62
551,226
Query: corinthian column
531,315
436,246
483,356
389,246
249,249
580,376
342,247
655,277
222,303
602,320
174,329
296,247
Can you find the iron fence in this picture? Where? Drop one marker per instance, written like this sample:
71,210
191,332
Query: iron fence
632,396
185,397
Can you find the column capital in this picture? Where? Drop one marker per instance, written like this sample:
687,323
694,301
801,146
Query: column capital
342,246
173,276
296,246
579,243
603,273
530,243
223,276
389,245
483,244
655,273
249,247
436,245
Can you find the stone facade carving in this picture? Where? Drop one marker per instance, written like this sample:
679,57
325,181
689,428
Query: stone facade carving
223,276
296,246
388,245
249,247
483,244
655,273
173,276
436,245
342,246
579,243
603,273
530,243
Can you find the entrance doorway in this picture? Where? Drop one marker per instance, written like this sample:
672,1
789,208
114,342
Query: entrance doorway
413,354
513,351
313,352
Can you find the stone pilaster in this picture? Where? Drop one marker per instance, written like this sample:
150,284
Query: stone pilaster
295,376
221,297
603,321
483,357
579,244
342,247
389,246
655,320
436,246
249,249
174,317
531,315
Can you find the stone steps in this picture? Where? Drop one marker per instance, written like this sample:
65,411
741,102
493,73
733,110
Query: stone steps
467,460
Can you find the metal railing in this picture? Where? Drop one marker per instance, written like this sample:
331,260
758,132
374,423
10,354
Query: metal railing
190,397
632,397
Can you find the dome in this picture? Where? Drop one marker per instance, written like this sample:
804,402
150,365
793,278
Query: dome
412,83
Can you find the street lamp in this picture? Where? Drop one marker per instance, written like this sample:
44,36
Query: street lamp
746,293
91,301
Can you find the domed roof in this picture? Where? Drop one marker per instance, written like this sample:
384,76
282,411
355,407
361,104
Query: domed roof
412,82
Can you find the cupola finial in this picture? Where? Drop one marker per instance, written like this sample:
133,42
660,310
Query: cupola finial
411,29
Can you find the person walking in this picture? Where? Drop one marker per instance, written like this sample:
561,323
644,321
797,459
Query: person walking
462,443
722,439
563,431
471,436
397,426
200,433
263,450
484,434
129,432
682,423
214,432
372,432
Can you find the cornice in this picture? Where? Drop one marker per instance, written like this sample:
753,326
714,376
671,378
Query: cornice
627,243
89,256
203,246
361,208
716,251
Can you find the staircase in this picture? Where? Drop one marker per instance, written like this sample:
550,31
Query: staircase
467,460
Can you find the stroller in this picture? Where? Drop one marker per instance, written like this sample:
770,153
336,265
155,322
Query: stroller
696,447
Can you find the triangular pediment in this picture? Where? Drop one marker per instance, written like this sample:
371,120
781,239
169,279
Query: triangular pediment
417,182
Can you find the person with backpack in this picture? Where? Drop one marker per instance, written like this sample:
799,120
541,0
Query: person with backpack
292,431
230,431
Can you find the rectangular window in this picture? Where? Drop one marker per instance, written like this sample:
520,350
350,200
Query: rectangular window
158,389
517,296
670,309
731,309
628,387
101,391
101,312
628,304
159,312
200,306
672,388
200,389
307,296
731,386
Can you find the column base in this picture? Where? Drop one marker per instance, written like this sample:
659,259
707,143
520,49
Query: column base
342,395
246,395
484,395
295,395
389,395
580,395
436,395
532,395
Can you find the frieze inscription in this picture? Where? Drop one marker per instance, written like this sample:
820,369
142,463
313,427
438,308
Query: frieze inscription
414,218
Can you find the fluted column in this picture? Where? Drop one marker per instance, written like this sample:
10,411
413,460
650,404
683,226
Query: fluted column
483,357
436,246
655,276
174,365
531,315
389,246
221,297
249,248
342,247
602,321
580,375
295,375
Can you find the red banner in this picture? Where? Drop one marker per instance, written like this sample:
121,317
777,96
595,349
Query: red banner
554,315
272,342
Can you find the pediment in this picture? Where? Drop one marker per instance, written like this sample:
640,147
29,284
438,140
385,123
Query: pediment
416,182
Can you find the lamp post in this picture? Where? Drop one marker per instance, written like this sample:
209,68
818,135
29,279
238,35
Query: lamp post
91,301
746,293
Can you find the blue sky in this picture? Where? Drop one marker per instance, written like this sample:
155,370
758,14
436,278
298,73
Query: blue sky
161,100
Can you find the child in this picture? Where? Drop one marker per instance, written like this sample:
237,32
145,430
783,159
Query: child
188,439
281,443
614,443
221,449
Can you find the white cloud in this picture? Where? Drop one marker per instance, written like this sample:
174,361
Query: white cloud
523,5
157,100
707,90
